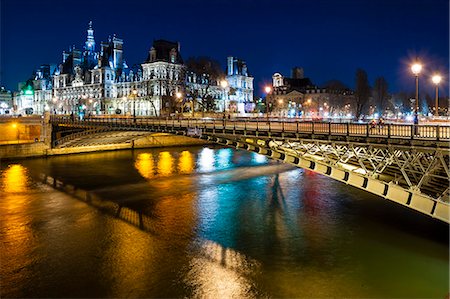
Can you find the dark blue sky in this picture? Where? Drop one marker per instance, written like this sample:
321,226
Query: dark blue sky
329,39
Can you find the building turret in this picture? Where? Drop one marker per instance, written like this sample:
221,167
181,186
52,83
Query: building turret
117,44
230,65
90,41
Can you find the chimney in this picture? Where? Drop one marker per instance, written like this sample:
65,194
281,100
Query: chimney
297,73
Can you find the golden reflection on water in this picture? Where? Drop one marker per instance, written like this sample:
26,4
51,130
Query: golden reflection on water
220,272
15,231
186,162
165,164
14,179
145,165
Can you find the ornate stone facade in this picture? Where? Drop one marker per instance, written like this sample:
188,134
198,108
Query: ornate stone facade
100,82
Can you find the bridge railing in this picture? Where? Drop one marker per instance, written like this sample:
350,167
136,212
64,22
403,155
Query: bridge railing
402,131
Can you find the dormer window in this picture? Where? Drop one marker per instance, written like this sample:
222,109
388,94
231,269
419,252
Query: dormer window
173,55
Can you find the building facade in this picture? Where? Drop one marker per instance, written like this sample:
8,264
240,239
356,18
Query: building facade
297,96
239,96
97,80
6,100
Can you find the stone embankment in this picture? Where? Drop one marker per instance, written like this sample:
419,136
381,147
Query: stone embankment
41,149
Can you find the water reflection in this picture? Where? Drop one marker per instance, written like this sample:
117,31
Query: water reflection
185,162
220,272
212,223
145,165
165,164
206,160
14,179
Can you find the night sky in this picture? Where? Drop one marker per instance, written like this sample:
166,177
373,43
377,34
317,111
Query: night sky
329,39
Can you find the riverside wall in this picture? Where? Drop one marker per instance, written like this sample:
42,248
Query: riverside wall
42,149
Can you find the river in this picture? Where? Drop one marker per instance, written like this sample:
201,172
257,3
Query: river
208,223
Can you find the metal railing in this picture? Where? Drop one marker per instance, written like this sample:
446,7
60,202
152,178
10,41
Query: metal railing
392,131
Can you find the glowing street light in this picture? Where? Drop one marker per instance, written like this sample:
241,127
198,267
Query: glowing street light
178,95
224,84
416,68
135,92
268,90
436,80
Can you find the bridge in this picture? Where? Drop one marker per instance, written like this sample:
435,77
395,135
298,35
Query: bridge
403,163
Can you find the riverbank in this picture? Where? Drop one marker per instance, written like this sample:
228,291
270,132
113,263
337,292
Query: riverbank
40,149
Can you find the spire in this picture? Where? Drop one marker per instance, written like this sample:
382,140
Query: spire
90,41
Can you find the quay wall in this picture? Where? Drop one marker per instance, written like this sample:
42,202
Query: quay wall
41,149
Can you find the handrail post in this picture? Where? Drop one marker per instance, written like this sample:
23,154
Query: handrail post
297,126
348,128
329,128
437,133
312,127
282,126
412,131
389,130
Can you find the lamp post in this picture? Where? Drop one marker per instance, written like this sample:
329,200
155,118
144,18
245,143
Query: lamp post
54,100
134,104
415,69
224,84
268,90
436,80
178,95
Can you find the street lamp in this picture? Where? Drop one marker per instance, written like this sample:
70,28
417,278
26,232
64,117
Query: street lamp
436,80
134,104
415,69
268,90
224,84
178,95
54,100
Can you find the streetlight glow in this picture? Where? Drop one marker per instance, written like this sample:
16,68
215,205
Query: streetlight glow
178,95
224,83
416,68
436,79
267,89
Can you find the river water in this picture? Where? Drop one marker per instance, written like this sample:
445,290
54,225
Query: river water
208,223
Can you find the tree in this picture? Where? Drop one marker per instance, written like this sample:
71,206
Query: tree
380,94
205,72
337,92
362,92
170,104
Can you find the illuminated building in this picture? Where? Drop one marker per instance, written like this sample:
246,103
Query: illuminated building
6,100
236,96
99,81
298,96
241,86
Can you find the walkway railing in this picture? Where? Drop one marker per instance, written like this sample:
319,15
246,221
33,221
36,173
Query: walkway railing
391,131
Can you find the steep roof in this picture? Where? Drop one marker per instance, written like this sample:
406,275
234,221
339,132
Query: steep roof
162,49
